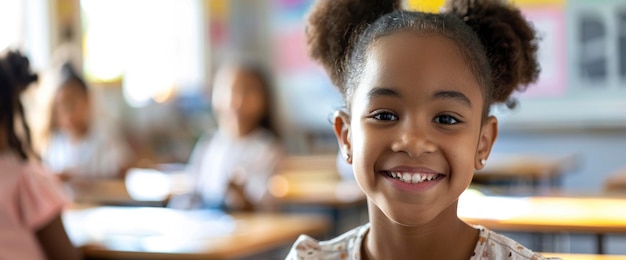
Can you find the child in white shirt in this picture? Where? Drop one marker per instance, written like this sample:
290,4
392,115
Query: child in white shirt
418,88
78,147
232,166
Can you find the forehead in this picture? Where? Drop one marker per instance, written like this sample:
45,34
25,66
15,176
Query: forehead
70,89
236,76
418,64
423,55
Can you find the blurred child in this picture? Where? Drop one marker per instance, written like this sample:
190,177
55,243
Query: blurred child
78,147
232,166
418,88
30,205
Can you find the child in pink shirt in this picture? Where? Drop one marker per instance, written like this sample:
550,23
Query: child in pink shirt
30,205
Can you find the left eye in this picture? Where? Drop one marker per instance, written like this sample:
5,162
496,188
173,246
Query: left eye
446,120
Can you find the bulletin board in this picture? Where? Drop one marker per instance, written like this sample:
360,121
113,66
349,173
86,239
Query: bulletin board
582,54
308,95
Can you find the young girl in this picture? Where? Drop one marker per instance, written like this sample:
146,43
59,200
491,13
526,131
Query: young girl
418,88
231,167
77,147
30,207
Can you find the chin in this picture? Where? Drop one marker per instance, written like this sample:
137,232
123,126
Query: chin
409,215
411,220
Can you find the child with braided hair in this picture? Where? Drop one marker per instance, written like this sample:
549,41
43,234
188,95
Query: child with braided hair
30,204
416,125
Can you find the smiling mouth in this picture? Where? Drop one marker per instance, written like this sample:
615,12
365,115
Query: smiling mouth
413,178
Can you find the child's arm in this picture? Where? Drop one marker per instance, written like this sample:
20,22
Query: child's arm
55,242
236,189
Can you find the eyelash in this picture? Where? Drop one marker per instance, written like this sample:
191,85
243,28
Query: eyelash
388,116
438,118
379,116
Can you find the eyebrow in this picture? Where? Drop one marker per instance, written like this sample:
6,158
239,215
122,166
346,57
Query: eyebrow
455,95
383,92
446,94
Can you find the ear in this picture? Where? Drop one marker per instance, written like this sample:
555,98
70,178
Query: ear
488,135
341,125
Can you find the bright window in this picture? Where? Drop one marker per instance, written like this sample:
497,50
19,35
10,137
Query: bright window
154,46
10,22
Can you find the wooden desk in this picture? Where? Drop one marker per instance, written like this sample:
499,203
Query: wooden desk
107,192
141,187
314,189
585,256
314,180
317,162
160,233
547,214
525,167
593,215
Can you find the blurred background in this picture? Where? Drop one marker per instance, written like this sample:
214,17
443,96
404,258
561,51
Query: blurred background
151,64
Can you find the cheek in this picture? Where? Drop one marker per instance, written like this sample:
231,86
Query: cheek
255,106
366,148
460,153
81,110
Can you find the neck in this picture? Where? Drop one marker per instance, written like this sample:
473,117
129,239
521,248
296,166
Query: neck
433,240
236,131
77,136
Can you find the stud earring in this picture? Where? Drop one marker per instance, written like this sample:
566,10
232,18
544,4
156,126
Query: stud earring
347,157
483,162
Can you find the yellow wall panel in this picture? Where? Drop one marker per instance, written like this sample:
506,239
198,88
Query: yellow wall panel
425,5
434,5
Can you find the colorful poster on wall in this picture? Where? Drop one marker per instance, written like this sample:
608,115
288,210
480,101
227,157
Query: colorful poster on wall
290,38
549,23
309,94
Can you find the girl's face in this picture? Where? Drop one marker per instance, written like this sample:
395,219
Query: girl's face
415,132
239,101
72,110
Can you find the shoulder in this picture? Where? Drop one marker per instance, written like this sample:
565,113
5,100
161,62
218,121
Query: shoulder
40,198
492,245
346,246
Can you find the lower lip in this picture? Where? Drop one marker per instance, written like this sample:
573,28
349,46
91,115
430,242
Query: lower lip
413,187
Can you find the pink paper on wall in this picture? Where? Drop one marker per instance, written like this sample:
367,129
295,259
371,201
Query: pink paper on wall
549,22
292,54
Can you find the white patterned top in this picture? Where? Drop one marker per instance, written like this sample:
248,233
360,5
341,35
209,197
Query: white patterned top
490,245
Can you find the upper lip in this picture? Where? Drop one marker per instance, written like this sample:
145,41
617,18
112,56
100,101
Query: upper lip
412,169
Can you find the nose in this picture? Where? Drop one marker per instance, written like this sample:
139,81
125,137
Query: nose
413,140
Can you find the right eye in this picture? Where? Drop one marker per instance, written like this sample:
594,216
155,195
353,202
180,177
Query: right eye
385,116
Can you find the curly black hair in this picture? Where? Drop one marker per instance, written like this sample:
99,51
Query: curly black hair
496,41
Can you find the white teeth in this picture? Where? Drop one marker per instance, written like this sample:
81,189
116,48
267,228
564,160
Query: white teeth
412,178
415,178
